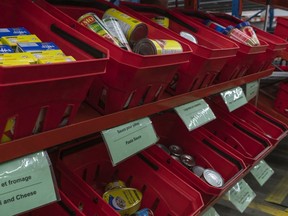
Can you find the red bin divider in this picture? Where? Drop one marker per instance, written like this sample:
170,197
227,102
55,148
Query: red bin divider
281,28
257,120
163,192
131,79
229,134
281,101
27,92
206,152
235,67
275,43
209,55
61,208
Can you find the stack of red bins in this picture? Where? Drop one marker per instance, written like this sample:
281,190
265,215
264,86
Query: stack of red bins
210,53
206,152
87,167
275,44
236,67
41,97
131,79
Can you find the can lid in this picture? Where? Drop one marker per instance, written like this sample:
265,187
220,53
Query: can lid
213,178
188,36
198,170
187,160
164,148
175,150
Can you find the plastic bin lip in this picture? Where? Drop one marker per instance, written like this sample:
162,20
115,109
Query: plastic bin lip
121,55
201,50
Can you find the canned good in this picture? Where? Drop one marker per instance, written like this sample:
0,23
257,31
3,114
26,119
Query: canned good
176,150
114,185
188,36
248,30
126,201
176,158
133,29
144,212
187,160
157,47
161,20
164,148
239,36
213,178
198,170
115,30
94,23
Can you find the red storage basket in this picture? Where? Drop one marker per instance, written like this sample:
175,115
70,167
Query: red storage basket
131,79
163,192
250,148
256,120
54,88
281,101
235,67
209,55
64,207
275,43
281,28
206,152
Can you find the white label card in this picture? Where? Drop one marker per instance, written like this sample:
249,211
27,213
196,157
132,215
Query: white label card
252,90
126,140
195,114
26,183
234,98
262,172
211,212
241,195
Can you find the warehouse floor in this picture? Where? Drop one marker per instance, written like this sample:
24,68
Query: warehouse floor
272,197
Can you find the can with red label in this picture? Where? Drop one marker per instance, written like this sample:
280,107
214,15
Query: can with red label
94,23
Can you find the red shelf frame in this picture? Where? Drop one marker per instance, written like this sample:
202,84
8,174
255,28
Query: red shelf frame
89,121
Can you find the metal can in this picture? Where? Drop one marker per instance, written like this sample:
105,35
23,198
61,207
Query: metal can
115,30
187,160
114,185
188,36
157,47
144,212
95,24
198,170
213,178
161,20
133,29
175,150
126,201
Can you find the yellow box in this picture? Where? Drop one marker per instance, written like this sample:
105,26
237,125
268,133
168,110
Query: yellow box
58,59
15,62
48,54
27,57
13,40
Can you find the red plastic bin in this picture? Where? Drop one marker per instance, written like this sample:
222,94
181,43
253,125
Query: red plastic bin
275,43
281,101
163,192
236,67
209,55
250,148
64,207
53,88
131,79
257,120
206,152
281,28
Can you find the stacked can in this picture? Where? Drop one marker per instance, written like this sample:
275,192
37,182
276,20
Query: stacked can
248,30
209,175
239,36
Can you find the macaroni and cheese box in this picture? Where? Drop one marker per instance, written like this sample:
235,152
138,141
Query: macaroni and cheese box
6,49
14,40
36,47
56,60
13,31
48,54
27,57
